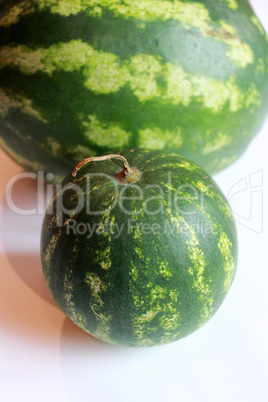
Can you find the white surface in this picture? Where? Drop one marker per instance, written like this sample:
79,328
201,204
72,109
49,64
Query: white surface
44,357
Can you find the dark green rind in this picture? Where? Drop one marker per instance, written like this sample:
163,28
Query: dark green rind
68,259
65,103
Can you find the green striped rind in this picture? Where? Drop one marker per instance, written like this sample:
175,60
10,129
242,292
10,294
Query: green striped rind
167,271
79,78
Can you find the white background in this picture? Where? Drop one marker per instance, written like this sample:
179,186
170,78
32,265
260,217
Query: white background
44,357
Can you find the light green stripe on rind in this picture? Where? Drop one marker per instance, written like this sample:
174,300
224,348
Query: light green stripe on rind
191,14
218,141
197,269
224,244
105,135
103,326
148,10
239,52
77,152
158,139
224,207
232,4
46,258
159,300
103,258
156,298
260,66
16,12
9,101
203,288
180,165
97,287
79,319
257,23
225,247
104,73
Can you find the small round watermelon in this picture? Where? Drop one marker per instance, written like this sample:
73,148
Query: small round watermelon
139,255
83,77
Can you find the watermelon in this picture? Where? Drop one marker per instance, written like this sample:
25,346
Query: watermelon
80,78
141,255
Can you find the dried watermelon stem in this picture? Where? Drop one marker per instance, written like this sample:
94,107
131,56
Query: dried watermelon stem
129,173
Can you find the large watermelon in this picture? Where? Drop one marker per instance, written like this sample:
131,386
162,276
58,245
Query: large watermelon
139,259
82,77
